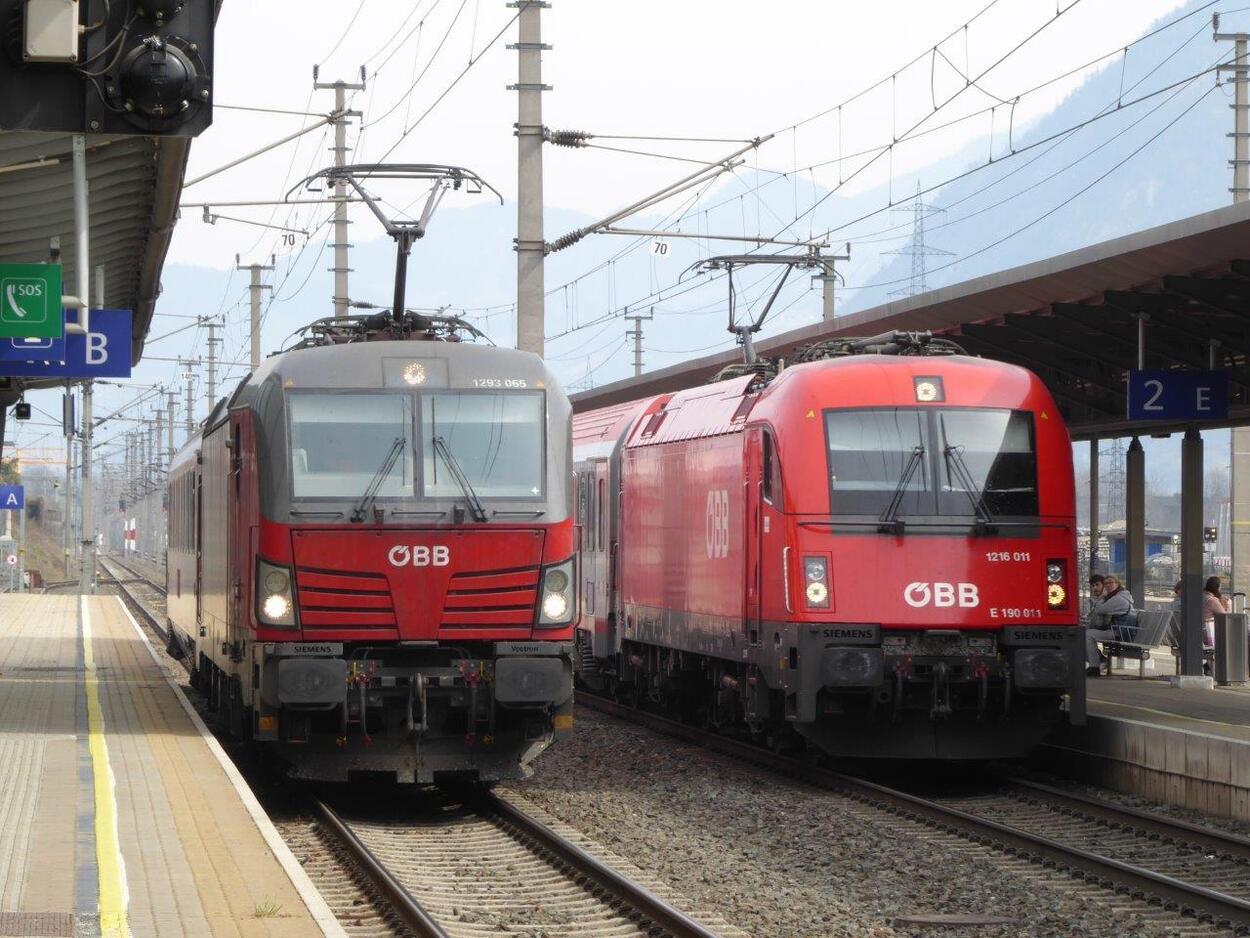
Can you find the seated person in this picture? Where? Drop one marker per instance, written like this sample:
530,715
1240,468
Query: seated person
1112,617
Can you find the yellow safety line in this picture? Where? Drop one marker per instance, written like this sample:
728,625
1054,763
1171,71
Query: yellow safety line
1164,713
110,864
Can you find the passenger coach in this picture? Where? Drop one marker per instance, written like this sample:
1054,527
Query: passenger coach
371,560
873,549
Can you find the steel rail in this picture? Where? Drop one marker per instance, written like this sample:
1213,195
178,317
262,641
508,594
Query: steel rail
629,893
400,899
1171,892
1173,829
105,564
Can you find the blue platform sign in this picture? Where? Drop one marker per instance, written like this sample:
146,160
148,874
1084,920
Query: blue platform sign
31,350
104,352
1177,395
12,496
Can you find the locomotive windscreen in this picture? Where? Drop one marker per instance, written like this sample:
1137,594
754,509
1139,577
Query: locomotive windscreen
339,441
936,461
494,439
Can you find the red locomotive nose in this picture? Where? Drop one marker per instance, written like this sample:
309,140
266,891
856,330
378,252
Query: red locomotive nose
410,584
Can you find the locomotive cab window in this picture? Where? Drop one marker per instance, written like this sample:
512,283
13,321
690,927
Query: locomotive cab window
946,462
339,442
494,441
990,454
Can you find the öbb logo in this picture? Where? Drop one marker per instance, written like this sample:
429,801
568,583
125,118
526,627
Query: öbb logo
716,524
942,595
419,555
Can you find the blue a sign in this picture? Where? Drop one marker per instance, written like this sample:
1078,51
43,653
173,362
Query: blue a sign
12,496
1177,395
104,352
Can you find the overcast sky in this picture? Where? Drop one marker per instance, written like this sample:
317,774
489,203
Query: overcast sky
697,68
727,69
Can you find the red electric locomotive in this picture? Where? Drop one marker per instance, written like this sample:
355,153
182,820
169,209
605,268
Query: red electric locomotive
371,555
873,548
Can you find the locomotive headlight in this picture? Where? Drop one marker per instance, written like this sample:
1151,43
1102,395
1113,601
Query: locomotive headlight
275,603
559,599
414,373
276,607
1057,584
816,581
555,606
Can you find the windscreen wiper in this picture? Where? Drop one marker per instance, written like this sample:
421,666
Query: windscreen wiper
361,511
475,505
959,468
889,520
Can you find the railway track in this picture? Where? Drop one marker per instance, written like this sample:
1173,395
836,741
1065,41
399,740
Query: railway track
470,862
482,865
144,595
1181,867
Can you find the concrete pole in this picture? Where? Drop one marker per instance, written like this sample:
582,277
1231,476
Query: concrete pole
212,365
827,278
531,247
158,451
171,402
342,295
189,377
69,485
86,582
1191,554
21,550
1094,533
636,335
1239,442
257,288
149,500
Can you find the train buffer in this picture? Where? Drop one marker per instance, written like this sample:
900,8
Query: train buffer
1185,746
123,815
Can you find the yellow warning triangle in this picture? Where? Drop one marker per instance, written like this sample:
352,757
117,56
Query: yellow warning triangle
811,414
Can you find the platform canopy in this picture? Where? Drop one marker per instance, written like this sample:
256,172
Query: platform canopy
1071,318
134,184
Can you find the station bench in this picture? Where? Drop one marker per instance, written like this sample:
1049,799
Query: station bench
1152,627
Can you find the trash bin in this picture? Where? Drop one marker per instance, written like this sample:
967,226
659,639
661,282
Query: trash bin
1230,648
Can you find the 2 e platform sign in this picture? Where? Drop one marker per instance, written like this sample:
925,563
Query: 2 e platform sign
30,301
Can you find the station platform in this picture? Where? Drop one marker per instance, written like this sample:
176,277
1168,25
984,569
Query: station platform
119,812
1185,746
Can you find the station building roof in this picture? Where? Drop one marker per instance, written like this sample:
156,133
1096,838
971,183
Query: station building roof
1071,318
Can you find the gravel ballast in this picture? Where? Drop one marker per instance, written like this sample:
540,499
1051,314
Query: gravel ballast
781,859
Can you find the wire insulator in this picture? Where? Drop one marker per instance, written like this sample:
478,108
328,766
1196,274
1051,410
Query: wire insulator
566,138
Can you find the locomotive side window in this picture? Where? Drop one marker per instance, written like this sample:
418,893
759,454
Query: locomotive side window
339,442
603,514
496,440
771,471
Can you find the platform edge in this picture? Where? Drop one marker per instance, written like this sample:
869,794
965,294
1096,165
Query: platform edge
316,904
